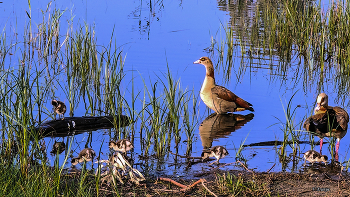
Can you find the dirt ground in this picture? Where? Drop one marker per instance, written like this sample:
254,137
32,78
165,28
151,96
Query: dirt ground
314,181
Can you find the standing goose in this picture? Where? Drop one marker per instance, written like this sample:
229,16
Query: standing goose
327,121
218,98
59,108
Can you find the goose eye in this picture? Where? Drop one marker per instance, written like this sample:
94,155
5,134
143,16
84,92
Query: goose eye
202,59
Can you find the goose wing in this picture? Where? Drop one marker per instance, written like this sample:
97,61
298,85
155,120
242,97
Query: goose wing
317,123
227,95
342,117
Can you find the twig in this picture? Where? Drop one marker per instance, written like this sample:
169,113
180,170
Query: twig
167,190
271,168
184,187
209,190
195,183
174,182
245,166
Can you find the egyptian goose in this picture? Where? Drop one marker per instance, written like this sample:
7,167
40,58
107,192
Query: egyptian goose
59,108
313,156
218,98
123,145
218,152
87,154
327,121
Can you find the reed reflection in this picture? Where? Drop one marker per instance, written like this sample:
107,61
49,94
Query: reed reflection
221,125
273,35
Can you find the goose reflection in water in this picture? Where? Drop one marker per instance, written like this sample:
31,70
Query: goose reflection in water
221,125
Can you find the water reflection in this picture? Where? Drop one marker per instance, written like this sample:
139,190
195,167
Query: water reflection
58,147
77,125
320,170
260,34
221,125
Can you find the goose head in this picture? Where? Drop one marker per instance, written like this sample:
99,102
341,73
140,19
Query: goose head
204,61
208,65
322,103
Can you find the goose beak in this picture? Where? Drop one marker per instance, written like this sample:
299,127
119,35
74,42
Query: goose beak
197,62
317,108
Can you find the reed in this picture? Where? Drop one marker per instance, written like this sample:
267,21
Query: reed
239,154
288,32
95,81
291,130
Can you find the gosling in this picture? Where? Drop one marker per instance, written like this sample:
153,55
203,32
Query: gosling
123,145
59,108
218,152
314,156
87,154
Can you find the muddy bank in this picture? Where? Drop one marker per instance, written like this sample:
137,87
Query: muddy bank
311,182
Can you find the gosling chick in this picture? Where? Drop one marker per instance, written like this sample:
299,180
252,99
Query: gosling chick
59,108
123,145
314,156
218,152
58,147
87,154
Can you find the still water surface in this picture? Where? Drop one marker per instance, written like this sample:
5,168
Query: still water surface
175,34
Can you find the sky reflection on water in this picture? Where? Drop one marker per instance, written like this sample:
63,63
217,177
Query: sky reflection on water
175,33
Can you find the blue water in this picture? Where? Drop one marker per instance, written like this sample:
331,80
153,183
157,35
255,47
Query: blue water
175,34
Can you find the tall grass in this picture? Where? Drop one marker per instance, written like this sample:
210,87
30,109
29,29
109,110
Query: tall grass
292,132
69,65
166,111
288,33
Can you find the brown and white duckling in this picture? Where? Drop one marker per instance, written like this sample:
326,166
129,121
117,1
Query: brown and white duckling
123,145
327,121
87,154
314,156
218,152
59,108
218,98
58,147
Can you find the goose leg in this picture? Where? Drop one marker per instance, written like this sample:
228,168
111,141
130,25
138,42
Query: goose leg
337,146
321,143
336,149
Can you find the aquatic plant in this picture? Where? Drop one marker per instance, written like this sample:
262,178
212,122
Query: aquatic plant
285,35
292,131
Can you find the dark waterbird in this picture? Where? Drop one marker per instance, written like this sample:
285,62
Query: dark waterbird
327,121
216,97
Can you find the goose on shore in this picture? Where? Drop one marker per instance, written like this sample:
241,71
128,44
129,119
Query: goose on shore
216,97
218,152
327,121
59,108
